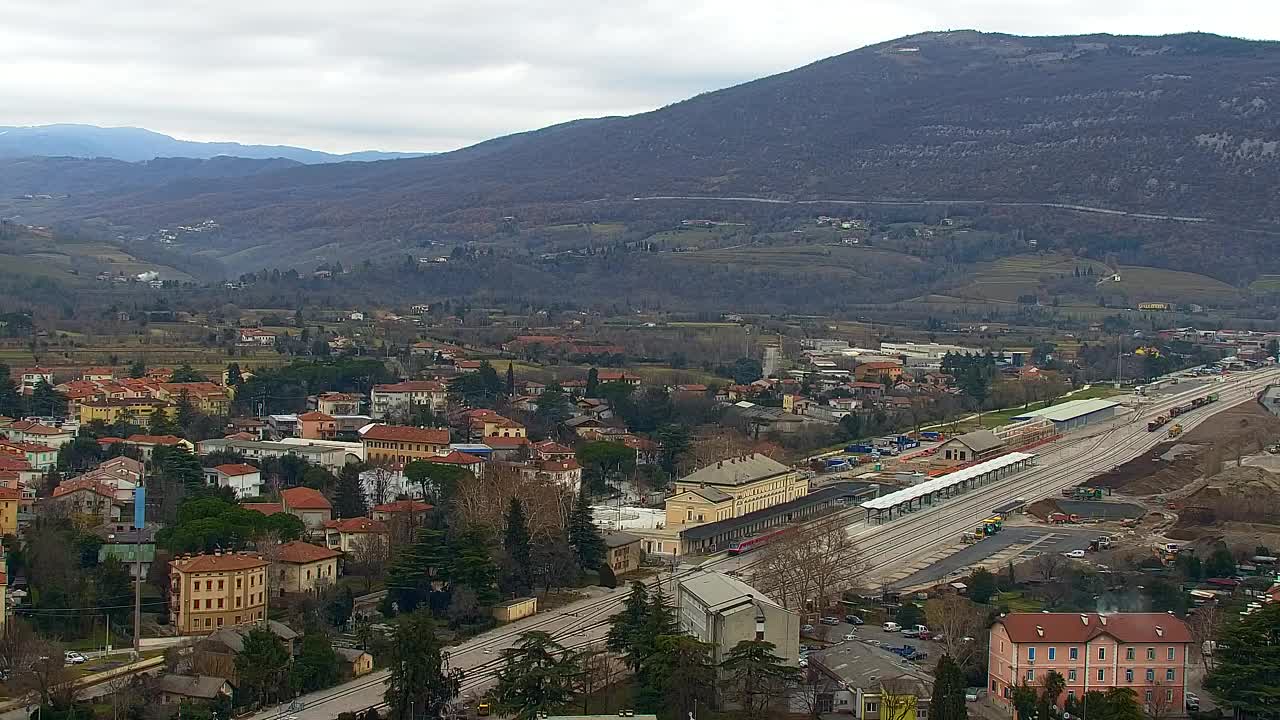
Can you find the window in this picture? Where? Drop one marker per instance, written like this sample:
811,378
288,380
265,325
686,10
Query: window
237,619
1031,675
208,604
239,583
1074,653
195,605
1148,696
1071,693
1151,653
208,584
1071,676
1151,675
1102,653
1053,653
1168,675
1171,653
1128,675
1128,653
873,707
238,599
221,584
208,622
219,603
1031,654
1102,675
219,622
1168,695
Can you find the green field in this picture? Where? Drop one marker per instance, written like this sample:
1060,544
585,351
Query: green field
850,261
1266,284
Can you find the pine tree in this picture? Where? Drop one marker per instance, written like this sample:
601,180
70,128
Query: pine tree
234,377
537,676
593,382
948,691
660,621
511,380
10,399
626,627
584,536
516,543
349,499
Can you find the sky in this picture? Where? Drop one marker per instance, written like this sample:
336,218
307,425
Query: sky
434,75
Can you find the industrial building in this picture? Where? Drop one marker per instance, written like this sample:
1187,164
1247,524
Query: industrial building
1072,415
722,611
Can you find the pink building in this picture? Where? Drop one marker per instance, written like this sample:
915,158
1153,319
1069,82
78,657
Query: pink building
1145,652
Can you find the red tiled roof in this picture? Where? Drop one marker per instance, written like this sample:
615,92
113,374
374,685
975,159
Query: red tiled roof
267,508
13,462
412,386
218,563
879,365
27,446
78,484
552,447
405,506
1082,627
455,457
404,433
154,440
110,440
236,469
558,465
304,498
35,428
357,525
316,416
505,443
304,552
696,387
8,493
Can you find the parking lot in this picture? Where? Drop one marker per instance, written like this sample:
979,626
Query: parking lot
870,645
1013,542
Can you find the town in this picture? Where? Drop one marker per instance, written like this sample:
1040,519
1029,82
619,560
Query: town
532,523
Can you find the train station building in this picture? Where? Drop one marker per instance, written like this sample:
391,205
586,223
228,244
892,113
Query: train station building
936,490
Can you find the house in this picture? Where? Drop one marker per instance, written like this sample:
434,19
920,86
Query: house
507,448
137,411
874,371
299,566
135,549
400,399
466,461
29,378
39,434
623,552
583,424
208,592
147,443
308,505
618,376
354,662
174,689
414,512
207,397
551,450
1149,653
215,655
722,610
467,366
564,473
332,455
731,488
254,336
316,425
40,457
88,497
863,390
402,444
344,535
483,424
970,446
98,374
244,479
253,427
336,403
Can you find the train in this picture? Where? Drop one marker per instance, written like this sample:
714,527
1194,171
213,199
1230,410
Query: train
1163,419
737,547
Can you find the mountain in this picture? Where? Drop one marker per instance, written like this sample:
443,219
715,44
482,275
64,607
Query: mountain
1185,125
136,144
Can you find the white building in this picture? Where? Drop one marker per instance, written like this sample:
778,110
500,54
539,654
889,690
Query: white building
245,480
722,611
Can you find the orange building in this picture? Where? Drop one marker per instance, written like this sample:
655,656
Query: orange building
208,592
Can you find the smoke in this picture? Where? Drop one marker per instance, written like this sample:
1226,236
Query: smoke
1118,601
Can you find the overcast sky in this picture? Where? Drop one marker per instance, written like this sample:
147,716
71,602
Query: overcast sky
427,75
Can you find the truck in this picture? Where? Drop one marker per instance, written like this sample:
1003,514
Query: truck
858,448
931,435
1176,430
837,465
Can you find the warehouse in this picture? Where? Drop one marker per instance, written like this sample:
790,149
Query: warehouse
1073,415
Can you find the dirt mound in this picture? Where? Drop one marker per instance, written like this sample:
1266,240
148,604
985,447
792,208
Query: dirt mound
1043,508
1151,474
1237,425
1243,494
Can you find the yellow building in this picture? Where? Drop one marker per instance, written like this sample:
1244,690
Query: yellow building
4,585
134,410
10,498
731,488
208,592
209,398
403,444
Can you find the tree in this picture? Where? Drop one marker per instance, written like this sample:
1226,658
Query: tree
584,536
137,369
1205,624
511,380
678,677
439,482
10,398
948,691
1025,699
1246,673
674,441
746,370
626,627
814,564
982,585
553,409
262,666
593,383
602,460
348,501
186,374
1273,348
234,376
317,665
1053,684
756,678
517,545
537,676
420,683
368,557
47,401
956,619
1221,563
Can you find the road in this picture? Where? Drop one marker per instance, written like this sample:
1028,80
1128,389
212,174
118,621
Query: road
887,546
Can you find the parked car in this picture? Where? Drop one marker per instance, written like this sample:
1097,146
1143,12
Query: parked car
806,628
891,627
910,633
853,619
850,636
1193,701
828,620
1074,554
74,658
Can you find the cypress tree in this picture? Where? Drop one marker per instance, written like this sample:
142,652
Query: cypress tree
584,536
516,543
948,691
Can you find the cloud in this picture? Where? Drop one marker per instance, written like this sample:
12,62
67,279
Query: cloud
436,75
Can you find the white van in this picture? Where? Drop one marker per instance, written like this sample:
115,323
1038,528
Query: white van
891,627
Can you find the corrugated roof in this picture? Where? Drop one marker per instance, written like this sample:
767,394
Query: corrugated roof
941,482
736,471
1062,412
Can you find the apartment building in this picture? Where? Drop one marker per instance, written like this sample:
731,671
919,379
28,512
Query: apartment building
208,592
403,444
1145,652
401,398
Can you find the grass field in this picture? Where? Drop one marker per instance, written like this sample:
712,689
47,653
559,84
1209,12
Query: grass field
600,230
850,261
1007,279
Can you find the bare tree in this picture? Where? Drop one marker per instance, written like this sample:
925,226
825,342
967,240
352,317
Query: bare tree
599,667
898,698
1047,565
369,557
378,486
810,566
816,692
1161,705
956,618
1205,622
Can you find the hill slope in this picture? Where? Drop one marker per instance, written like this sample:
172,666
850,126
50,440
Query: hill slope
1186,125
137,144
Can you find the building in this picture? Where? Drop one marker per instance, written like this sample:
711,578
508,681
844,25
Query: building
1072,415
298,566
207,397
413,512
308,505
332,457
354,661
135,549
515,609
29,378
317,425
618,376
208,592
174,689
623,552
731,488
245,480
1148,653
88,497
4,598
39,457
137,411
147,443
722,611
254,336
346,535
483,424
336,403
970,447
38,434
565,473
10,499
400,399
877,370
466,461
403,444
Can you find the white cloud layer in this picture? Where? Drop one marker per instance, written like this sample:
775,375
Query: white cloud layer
440,74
